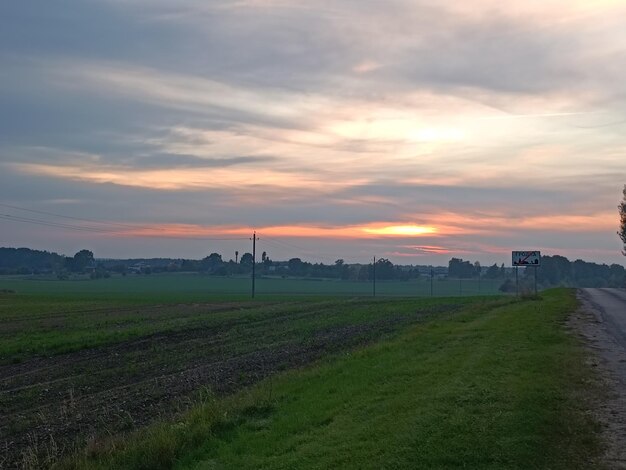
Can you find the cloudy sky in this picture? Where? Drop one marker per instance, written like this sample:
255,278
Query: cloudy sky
408,129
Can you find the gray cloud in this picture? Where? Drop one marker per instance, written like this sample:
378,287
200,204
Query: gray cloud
108,83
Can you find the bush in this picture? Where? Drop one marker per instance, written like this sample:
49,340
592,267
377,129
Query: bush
507,286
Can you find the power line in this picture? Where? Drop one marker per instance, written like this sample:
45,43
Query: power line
91,229
66,216
17,218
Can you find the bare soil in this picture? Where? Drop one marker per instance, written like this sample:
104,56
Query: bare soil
50,406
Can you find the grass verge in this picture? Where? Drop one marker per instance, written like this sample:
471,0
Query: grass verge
485,389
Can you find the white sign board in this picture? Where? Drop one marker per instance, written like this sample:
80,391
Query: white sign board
526,258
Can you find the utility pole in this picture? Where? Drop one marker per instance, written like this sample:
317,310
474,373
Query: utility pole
374,277
253,260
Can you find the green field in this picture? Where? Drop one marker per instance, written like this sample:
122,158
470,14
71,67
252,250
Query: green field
495,385
180,286
124,374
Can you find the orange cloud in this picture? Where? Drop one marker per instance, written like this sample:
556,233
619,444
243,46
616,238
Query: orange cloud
401,230
189,178
451,222
376,230
426,249
440,225
421,250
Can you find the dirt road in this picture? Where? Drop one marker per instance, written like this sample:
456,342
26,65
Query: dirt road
611,304
602,323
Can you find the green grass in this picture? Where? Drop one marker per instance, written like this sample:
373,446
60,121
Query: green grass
48,325
499,385
64,316
185,286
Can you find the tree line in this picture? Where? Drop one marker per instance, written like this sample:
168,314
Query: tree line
559,271
554,270
215,265
27,261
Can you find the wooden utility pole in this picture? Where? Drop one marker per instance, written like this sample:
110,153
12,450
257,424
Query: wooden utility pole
374,277
253,260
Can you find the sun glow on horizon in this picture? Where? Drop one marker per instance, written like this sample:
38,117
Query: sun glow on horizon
402,230
300,231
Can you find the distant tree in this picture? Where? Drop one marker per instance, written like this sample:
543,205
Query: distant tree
477,268
295,266
385,269
246,259
189,265
461,269
622,216
365,272
556,270
14,259
263,257
618,275
342,270
80,261
507,286
493,272
211,262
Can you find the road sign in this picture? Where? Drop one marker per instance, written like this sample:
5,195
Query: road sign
526,258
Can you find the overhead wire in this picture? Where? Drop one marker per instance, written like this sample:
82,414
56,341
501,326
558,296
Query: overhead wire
103,230
17,218
66,216
92,229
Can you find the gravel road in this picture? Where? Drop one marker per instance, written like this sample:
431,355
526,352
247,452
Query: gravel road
601,322
611,305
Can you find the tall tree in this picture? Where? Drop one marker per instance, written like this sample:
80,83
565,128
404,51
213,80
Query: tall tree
622,215
384,269
493,272
211,262
80,261
461,269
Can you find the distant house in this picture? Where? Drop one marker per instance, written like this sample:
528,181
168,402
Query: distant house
91,267
139,268
279,266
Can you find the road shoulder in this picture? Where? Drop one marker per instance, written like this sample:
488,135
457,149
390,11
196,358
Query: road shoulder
608,357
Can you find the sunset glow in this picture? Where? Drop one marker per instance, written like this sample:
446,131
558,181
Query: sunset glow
287,231
404,129
402,230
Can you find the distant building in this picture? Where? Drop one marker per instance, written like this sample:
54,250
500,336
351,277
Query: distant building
139,268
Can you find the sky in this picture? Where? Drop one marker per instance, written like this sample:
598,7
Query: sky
409,130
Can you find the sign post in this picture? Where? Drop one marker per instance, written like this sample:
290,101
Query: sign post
526,258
